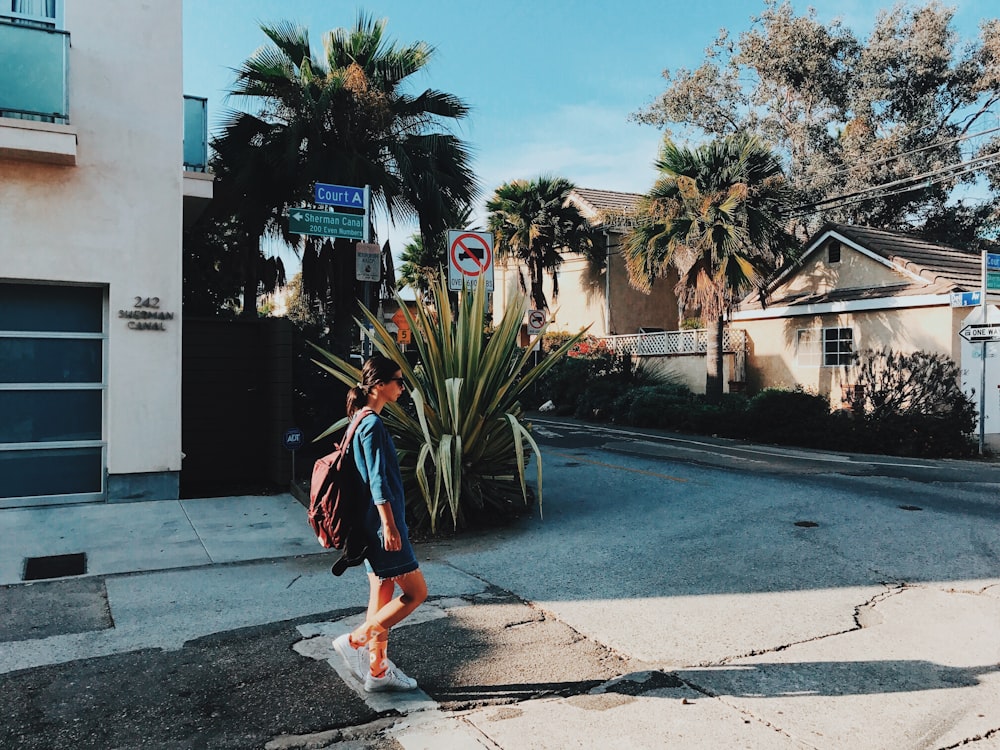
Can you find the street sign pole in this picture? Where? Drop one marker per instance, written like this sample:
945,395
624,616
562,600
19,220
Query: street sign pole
368,213
370,286
982,374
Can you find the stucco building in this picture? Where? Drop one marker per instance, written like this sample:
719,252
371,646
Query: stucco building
101,160
599,297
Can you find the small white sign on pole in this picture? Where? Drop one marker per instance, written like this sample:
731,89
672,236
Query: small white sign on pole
536,321
368,260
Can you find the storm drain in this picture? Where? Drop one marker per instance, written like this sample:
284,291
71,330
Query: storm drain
910,507
806,524
55,566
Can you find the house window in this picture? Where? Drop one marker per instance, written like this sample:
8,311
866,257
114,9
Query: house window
42,13
825,347
833,252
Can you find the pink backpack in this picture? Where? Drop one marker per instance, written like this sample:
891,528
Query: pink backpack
338,498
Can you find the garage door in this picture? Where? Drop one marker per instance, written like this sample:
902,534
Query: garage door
52,389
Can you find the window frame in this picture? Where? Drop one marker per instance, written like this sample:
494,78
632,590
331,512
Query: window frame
101,385
821,340
55,21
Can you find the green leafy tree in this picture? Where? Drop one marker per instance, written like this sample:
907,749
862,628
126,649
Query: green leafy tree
215,267
849,113
715,215
534,223
348,117
463,453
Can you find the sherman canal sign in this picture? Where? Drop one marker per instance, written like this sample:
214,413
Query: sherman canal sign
326,224
992,272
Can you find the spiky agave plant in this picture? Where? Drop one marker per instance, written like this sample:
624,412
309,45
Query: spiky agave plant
463,455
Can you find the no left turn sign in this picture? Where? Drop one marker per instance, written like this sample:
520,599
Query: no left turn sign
470,258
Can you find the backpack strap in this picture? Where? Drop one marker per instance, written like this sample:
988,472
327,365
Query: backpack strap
345,444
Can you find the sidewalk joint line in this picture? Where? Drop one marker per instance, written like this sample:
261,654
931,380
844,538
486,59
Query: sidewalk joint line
195,530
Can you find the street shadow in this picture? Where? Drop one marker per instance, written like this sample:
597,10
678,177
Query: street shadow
835,678
511,692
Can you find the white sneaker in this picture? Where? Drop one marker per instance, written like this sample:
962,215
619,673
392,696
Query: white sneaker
355,658
393,679
399,672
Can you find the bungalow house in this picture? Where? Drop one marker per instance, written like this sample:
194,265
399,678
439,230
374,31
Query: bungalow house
858,288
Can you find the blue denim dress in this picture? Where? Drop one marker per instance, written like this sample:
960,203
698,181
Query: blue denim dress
376,459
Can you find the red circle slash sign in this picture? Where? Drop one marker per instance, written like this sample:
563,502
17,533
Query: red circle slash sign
473,251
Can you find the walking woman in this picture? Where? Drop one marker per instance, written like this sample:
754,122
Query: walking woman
390,561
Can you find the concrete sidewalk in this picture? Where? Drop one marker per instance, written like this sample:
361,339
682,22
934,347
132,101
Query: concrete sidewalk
725,622
143,537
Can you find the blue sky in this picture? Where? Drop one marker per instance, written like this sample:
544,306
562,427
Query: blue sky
551,83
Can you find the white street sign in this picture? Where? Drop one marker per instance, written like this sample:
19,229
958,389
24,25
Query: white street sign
981,333
368,260
470,258
536,321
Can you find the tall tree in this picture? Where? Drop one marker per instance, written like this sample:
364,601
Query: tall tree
714,214
897,109
345,117
534,222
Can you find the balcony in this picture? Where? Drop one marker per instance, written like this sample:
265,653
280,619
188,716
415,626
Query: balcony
195,134
34,95
198,187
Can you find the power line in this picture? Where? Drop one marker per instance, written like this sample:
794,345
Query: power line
862,198
887,159
947,172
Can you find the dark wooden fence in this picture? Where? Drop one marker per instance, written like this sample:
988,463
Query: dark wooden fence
237,403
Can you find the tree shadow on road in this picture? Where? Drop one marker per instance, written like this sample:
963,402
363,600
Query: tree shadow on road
834,678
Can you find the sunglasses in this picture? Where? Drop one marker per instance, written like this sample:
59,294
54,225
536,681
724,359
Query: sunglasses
402,383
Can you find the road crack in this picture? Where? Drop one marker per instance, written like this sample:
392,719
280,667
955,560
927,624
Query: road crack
989,735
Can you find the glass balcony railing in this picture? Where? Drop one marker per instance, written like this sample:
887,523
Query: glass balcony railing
195,134
34,77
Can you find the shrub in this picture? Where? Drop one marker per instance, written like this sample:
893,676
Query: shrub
666,405
911,404
588,380
464,450
794,417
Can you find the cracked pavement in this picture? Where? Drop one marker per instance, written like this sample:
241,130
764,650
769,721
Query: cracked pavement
660,603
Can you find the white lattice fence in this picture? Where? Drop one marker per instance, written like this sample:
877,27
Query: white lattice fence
689,341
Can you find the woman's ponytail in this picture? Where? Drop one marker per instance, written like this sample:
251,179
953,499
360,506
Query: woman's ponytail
357,398
377,369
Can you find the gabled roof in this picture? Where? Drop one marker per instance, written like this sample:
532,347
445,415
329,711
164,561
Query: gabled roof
924,267
930,260
604,206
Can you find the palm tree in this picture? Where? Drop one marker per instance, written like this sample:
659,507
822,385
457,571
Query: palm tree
715,214
345,118
534,222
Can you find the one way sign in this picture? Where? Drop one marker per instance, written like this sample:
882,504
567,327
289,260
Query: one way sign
980,333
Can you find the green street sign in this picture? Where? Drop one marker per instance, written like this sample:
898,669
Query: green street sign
993,281
326,224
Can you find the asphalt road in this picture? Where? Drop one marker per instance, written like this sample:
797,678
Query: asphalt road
679,592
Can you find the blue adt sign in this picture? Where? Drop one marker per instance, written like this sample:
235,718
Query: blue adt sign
342,195
293,439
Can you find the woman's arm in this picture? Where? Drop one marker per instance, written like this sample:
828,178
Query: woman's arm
391,540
